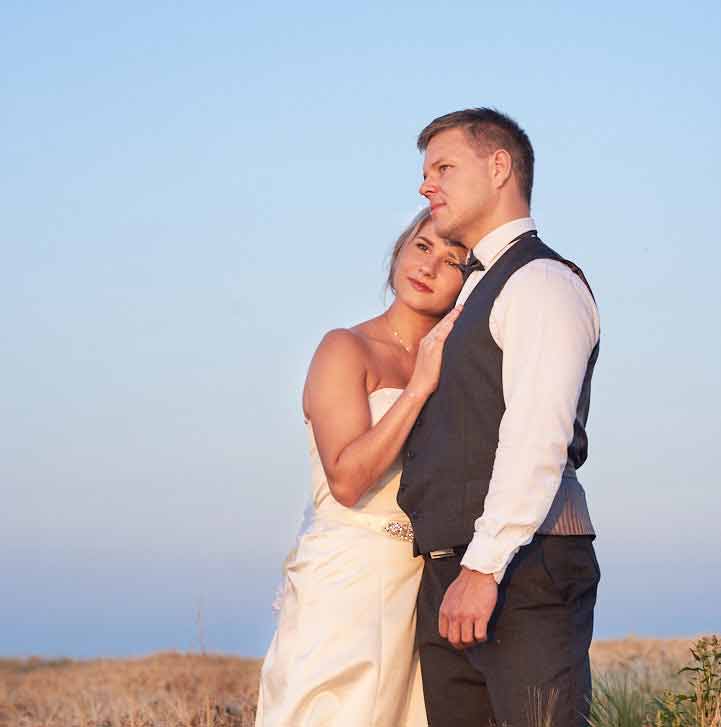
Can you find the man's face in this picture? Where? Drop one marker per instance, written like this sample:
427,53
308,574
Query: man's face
457,185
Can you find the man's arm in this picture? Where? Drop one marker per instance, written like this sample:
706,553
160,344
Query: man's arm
546,323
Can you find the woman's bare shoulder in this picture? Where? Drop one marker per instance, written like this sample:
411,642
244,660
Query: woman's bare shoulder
344,341
339,365
359,337
341,352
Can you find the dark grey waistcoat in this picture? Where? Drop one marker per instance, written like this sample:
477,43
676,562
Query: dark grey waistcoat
449,456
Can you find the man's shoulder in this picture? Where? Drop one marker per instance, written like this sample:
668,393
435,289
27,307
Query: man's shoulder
547,286
545,274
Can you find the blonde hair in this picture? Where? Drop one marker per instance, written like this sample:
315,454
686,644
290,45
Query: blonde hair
408,234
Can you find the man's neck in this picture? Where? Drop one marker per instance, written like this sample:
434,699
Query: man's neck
494,243
500,216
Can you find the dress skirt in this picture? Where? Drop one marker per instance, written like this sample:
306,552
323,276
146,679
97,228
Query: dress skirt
343,654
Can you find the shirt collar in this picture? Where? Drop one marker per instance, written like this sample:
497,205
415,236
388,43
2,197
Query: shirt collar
492,244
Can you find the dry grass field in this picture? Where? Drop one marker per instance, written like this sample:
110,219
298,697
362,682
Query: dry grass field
173,689
657,659
193,690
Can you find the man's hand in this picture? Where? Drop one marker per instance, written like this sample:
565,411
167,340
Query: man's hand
467,608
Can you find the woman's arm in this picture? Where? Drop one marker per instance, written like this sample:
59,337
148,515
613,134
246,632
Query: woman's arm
354,454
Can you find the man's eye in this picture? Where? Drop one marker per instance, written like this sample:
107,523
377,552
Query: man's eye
443,167
454,264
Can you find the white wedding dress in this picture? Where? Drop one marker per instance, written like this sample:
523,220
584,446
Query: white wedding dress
343,653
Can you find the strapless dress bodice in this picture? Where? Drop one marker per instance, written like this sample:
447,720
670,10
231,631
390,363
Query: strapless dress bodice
380,500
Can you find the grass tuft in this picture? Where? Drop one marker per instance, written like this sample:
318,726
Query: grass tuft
691,697
699,704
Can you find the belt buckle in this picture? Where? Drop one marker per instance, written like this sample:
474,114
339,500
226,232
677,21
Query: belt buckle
442,553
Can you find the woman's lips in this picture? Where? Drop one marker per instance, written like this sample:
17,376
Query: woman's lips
420,287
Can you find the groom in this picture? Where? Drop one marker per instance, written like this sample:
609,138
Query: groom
505,608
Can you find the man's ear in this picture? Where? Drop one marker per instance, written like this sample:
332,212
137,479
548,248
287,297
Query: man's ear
501,167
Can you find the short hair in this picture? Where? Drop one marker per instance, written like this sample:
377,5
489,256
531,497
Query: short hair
408,234
490,130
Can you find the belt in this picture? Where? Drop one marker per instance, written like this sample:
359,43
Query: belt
446,552
398,529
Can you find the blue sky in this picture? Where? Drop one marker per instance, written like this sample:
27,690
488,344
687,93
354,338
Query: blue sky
194,193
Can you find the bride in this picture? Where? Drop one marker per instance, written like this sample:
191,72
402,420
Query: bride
343,653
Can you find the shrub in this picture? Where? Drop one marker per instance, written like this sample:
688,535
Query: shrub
699,705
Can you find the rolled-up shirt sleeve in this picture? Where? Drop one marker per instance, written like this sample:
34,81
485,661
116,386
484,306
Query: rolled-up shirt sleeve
546,323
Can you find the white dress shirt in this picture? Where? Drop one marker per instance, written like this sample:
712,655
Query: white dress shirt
546,323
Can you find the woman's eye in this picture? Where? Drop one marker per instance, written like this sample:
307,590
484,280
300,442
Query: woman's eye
422,246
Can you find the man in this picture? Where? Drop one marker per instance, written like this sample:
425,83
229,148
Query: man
505,609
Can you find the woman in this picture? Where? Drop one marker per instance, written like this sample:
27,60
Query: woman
343,651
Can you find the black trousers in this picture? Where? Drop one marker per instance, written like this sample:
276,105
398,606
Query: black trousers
535,663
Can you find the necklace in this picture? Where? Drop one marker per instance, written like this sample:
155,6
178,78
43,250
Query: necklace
405,346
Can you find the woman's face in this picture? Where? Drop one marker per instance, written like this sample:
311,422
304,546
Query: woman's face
427,275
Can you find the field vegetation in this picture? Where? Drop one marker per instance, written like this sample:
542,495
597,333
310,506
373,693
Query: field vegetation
637,683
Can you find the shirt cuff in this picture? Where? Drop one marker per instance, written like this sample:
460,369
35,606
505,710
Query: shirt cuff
487,554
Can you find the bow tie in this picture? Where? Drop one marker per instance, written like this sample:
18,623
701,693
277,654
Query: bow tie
473,264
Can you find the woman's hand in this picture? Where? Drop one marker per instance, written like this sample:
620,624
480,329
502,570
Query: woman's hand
424,380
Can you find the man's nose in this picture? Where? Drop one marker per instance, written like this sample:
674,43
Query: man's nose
426,188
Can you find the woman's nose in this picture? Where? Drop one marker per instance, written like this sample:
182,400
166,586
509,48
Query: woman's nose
429,267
